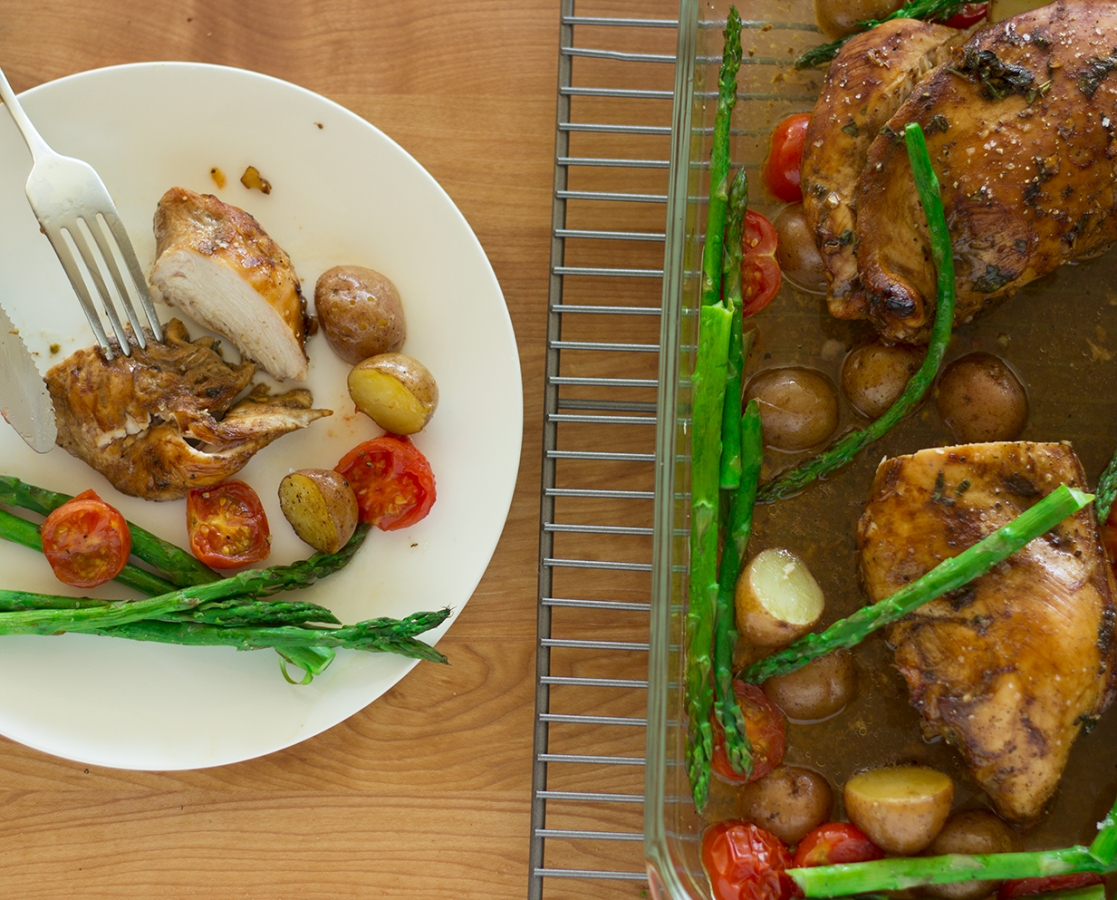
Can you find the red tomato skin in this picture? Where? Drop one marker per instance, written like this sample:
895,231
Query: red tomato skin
1026,887
834,843
86,541
785,158
227,525
390,462
968,15
746,862
760,270
766,730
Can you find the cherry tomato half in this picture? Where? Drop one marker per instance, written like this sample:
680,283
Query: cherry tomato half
392,479
760,269
785,157
834,843
766,730
227,525
746,862
969,15
86,541
1027,887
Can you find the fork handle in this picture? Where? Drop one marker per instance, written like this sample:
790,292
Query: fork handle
35,142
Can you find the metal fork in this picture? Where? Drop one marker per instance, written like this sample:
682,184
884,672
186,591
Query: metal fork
72,205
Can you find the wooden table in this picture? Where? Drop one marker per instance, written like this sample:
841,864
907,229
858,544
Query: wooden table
426,793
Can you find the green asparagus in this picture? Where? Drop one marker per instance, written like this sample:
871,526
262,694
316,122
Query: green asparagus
708,387
946,576
727,707
739,343
842,451
1104,846
928,10
173,563
1106,490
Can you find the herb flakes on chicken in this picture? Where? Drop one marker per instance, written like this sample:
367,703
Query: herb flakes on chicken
166,419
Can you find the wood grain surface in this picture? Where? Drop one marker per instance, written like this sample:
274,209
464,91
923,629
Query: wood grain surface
426,793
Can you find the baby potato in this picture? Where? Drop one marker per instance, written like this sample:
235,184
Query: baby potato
360,312
979,398
819,690
777,599
396,391
321,507
837,18
900,808
789,801
874,375
972,831
798,406
799,259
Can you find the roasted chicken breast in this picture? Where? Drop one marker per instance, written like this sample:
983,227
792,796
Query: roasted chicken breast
215,263
1011,667
1021,126
872,75
166,419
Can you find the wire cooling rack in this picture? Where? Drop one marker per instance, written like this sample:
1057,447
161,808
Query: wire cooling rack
616,78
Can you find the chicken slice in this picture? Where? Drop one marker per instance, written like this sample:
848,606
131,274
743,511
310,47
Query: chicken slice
166,419
1021,127
870,77
215,263
1012,666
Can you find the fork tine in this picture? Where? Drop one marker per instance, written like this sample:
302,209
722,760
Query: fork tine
109,257
73,272
90,260
124,244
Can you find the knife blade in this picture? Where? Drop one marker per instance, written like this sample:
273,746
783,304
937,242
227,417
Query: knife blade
24,399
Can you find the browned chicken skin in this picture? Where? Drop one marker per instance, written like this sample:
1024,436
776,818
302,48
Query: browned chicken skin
870,77
166,419
1020,126
1009,668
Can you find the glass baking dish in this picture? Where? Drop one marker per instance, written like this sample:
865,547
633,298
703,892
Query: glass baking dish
1070,373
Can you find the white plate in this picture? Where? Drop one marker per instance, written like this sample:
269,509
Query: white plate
343,192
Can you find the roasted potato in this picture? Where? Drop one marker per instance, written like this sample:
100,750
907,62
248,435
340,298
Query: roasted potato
321,507
396,391
837,18
777,599
360,312
972,831
979,398
875,374
789,801
900,808
799,259
798,406
819,690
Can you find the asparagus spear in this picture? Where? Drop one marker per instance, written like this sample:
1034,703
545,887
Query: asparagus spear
1104,846
384,635
946,576
20,531
843,450
1106,490
908,872
173,563
739,344
928,10
708,386
727,707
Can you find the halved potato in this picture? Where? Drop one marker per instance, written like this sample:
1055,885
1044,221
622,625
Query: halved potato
900,808
777,599
395,390
321,507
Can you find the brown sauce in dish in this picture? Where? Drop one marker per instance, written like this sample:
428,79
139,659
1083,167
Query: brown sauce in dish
1060,335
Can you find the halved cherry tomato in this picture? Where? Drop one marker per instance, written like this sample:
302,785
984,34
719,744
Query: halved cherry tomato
392,479
785,157
760,269
227,525
746,862
834,843
766,731
968,15
86,541
1027,887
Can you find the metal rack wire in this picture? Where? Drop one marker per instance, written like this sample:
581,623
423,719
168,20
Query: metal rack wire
616,71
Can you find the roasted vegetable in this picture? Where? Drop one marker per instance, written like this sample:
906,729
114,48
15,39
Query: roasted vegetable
321,507
396,391
360,312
